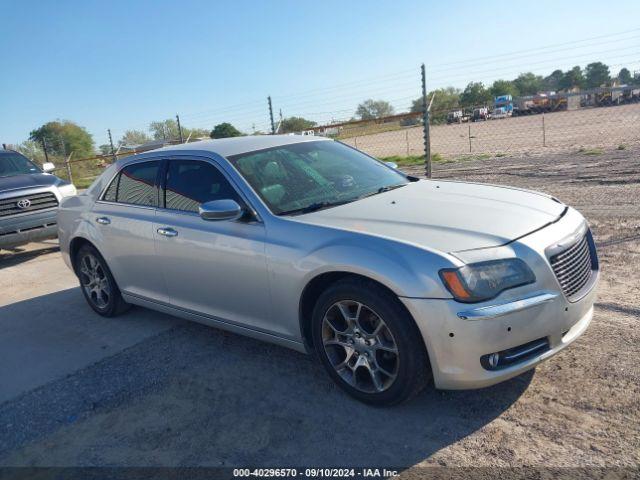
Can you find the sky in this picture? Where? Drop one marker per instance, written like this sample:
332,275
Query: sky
121,64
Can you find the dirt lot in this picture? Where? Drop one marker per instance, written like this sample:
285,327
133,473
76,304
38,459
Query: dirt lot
584,128
181,394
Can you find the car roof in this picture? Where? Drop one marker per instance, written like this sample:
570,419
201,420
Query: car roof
9,152
227,147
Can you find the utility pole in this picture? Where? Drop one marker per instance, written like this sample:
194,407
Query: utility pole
273,126
113,152
66,160
44,148
425,120
179,128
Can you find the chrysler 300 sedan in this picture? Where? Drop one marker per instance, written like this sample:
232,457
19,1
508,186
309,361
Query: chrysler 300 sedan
391,280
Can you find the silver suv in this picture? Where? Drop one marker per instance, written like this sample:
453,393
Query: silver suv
29,199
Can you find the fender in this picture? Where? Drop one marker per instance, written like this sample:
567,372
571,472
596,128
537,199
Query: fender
405,269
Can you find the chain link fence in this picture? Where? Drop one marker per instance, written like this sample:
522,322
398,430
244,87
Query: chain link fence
581,129
583,125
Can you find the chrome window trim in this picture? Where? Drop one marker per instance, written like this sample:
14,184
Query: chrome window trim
130,205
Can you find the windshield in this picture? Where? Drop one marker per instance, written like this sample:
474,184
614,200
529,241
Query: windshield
308,176
15,164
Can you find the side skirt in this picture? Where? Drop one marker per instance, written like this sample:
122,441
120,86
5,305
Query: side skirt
214,322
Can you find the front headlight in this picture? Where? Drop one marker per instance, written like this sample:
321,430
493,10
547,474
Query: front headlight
67,190
481,281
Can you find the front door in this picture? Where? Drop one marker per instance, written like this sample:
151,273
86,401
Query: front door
215,268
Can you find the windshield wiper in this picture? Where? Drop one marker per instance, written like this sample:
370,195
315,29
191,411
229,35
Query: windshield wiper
314,207
382,190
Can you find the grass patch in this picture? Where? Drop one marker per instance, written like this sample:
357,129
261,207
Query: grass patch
348,132
84,182
408,161
591,151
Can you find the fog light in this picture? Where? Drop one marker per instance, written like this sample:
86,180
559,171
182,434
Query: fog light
494,358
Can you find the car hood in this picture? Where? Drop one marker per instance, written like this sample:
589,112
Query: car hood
446,216
28,181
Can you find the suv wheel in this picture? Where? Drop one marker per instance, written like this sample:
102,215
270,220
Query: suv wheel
97,283
368,343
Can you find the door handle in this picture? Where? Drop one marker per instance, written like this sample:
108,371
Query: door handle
168,232
103,220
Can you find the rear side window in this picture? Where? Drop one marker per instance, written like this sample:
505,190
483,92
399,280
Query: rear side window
192,182
135,185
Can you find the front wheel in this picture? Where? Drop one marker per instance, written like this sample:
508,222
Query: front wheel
368,343
98,285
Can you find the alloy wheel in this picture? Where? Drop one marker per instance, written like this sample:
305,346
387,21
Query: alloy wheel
360,346
94,281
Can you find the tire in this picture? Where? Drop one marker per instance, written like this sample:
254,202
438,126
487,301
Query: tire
364,365
97,283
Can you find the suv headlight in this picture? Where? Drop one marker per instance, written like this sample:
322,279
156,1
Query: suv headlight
481,281
67,190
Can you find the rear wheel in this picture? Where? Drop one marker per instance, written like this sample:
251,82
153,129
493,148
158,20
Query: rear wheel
368,343
98,285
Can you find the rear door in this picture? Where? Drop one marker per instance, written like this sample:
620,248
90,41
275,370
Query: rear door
123,219
215,268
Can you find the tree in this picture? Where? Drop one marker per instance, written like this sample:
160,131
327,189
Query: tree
165,129
168,130
625,77
104,149
32,150
444,101
552,82
528,83
63,138
475,94
370,109
296,124
503,87
596,75
225,130
134,137
194,133
572,78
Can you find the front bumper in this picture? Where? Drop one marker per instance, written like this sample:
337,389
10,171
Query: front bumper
27,228
456,345
460,337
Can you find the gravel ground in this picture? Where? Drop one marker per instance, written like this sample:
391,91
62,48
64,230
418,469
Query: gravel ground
192,395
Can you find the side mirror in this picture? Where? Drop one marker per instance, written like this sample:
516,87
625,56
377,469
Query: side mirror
391,164
220,210
48,167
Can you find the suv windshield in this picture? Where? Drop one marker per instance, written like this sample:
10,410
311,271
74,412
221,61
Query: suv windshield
15,164
308,176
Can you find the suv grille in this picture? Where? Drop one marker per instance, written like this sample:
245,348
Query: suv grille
573,267
36,201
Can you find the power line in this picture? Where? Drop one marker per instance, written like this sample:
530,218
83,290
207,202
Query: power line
537,48
481,62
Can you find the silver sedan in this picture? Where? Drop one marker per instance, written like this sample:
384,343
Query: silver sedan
391,280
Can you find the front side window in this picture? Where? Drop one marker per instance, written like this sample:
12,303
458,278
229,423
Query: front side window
193,182
15,164
135,185
307,176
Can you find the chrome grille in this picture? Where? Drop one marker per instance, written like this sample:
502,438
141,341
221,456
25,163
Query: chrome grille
37,201
573,267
